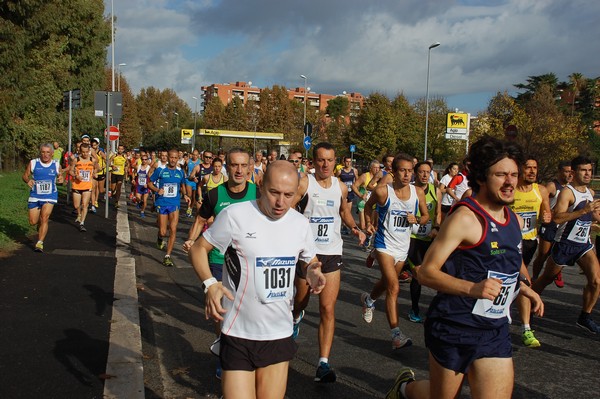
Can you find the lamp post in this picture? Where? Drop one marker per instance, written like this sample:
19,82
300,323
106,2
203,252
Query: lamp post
195,116
119,75
176,120
305,83
434,45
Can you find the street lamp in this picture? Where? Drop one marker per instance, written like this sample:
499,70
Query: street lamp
305,83
177,120
434,45
119,75
195,116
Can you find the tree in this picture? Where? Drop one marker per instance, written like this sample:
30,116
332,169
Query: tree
376,131
532,85
49,47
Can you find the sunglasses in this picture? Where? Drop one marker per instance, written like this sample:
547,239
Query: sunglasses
144,159
294,161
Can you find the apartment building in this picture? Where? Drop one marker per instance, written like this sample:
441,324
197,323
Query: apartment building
246,92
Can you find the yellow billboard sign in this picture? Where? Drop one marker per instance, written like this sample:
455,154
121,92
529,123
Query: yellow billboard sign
457,121
186,136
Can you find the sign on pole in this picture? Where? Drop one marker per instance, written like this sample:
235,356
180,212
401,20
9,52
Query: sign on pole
113,133
186,136
457,126
307,143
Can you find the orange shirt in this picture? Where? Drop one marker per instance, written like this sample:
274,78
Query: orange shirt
85,170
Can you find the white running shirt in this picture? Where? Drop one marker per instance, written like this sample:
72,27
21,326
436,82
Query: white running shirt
260,265
323,213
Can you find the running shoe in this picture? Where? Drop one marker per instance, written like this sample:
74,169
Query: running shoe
588,324
414,317
558,280
297,325
93,209
96,204
405,277
160,243
142,214
325,373
167,261
405,375
370,260
400,340
367,311
529,340
39,247
82,228
188,213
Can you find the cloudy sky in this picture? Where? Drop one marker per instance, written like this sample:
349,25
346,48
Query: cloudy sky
361,46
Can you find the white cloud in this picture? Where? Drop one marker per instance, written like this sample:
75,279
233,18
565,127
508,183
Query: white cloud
354,45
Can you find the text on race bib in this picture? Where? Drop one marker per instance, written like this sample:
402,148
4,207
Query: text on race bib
274,278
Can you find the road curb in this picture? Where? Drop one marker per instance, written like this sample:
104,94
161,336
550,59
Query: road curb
124,367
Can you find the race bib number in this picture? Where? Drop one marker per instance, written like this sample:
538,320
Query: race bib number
322,228
398,221
500,306
84,175
422,230
142,180
580,232
274,278
529,222
43,187
170,190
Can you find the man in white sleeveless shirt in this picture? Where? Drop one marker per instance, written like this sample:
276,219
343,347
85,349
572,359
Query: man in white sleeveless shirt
320,197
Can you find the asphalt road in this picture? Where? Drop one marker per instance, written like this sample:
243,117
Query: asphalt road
176,336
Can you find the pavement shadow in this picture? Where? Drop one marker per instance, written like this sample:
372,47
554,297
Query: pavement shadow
102,298
82,356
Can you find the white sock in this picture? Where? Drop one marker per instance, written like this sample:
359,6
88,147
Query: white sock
369,301
526,327
323,360
403,389
395,331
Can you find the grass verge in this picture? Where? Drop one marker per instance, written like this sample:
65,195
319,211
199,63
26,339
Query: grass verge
14,221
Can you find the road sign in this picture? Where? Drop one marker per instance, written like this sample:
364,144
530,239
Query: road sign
307,143
114,133
457,123
308,129
186,136
352,148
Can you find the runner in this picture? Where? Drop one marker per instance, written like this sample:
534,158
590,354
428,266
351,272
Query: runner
216,177
564,176
321,197
574,212
347,175
531,202
256,344
237,189
141,188
98,183
360,189
397,205
474,265
41,175
198,174
190,186
119,164
447,198
168,183
423,234
82,172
